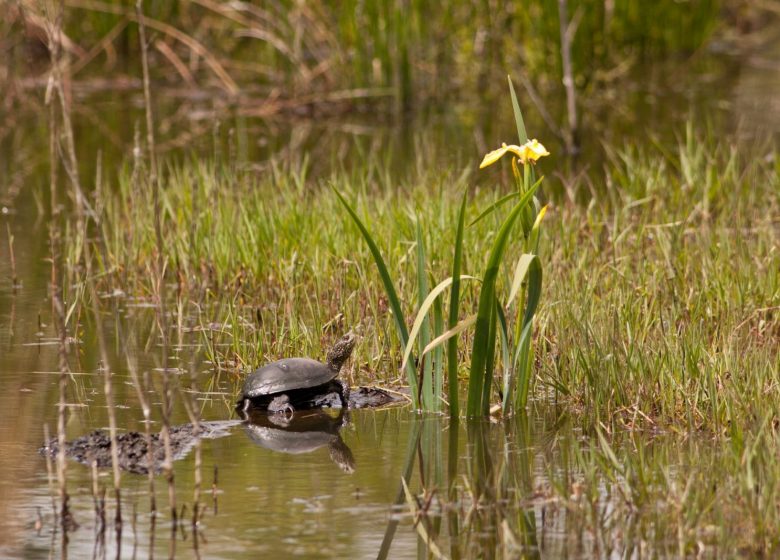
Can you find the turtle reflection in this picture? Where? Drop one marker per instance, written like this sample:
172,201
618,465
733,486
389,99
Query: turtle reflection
301,432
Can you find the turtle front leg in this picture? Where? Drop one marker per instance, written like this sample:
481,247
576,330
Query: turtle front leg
344,394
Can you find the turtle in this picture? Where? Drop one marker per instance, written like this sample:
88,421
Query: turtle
282,385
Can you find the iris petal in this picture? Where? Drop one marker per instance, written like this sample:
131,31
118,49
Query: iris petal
493,156
530,151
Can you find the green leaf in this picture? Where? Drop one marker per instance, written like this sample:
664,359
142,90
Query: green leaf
521,133
452,345
522,369
490,360
500,202
534,290
425,329
523,356
392,296
505,359
493,207
438,358
478,376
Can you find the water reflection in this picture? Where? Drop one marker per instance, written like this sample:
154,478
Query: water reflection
301,432
296,433
529,486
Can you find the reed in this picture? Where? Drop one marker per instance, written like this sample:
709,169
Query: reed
392,54
12,257
53,32
159,263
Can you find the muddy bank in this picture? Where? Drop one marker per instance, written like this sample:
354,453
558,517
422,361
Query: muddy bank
133,447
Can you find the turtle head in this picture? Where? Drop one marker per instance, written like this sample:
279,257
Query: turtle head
341,351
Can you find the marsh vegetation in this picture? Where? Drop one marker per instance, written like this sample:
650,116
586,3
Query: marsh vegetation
587,340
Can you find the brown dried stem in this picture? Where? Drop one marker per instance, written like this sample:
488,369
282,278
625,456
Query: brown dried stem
162,319
53,30
567,31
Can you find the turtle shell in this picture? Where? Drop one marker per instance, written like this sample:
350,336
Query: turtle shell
287,375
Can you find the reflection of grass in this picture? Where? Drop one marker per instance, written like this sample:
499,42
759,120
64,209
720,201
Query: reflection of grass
662,295
534,483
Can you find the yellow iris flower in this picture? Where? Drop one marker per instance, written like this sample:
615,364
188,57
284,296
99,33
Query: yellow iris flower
528,152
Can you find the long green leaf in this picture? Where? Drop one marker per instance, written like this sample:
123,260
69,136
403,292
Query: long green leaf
493,207
487,385
425,329
487,296
523,356
519,391
452,345
534,290
392,296
505,357
438,359
521,133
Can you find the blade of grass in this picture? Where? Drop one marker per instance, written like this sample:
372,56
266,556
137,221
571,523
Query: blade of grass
438,357
505,358
392,296
523,356
425,328
534,290
522,368
493,207
521,270
497,204
521,133
452,345
490,358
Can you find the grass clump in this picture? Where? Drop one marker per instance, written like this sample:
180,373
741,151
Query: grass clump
662,292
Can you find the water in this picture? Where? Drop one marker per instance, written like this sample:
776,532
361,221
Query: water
521,483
